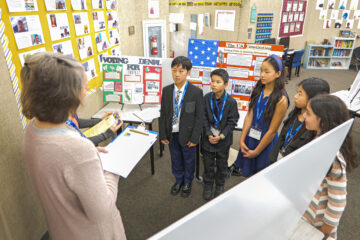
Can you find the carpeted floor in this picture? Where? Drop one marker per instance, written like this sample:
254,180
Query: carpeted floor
147,207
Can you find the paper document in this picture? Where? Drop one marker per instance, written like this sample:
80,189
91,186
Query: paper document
101,127
125,151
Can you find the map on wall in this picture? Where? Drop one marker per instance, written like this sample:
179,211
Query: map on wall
292,18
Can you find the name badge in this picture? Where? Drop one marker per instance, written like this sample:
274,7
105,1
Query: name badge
215,132
255,133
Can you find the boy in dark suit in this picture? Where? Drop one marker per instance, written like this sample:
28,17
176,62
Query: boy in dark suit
181,118
221,116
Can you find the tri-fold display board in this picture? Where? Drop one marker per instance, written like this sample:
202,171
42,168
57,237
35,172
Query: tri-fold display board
132,80
241,60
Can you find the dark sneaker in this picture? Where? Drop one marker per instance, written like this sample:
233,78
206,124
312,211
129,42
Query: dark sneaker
186,190
219,189
208,191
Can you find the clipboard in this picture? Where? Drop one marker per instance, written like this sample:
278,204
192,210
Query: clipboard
126,150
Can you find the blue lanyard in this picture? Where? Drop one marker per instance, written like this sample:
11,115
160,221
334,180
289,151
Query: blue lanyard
177,106
217,121
72,124
259,114
290,135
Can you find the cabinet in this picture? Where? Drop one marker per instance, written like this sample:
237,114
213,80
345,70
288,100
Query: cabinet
334,56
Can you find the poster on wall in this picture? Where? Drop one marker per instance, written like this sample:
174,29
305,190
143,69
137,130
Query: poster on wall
354,4
97,4
23,55
85,47
98,21
110,4
22,5
64,48
319,4
81,22
58,26
112,82
27,31
112,19
225,20
102,42
295,12
263,27
89,67
342,4
153,9
55,5
79,4
331,4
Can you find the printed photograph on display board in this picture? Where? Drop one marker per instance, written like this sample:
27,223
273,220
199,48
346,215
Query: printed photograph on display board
22,5
133,87
90,70
81,22
27,31
85,47
116,51
112,19
79,4
263,27
102,42
52,5
64,48
97,4
242,88
110,4
98,21
292,18
58,26
114,36
112,82
22,56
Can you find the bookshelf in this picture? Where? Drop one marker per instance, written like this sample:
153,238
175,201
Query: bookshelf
334,56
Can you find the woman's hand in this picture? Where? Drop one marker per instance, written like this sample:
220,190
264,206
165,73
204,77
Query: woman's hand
102,149
117,125
244,149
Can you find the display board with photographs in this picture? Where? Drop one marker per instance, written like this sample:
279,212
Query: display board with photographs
241,60
47,26
132,80
292,16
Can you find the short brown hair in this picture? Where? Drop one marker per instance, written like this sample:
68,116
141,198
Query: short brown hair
51,86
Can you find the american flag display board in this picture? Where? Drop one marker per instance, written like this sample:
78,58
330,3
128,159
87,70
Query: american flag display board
241,60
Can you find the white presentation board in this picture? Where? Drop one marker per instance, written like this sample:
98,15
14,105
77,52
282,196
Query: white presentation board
269,204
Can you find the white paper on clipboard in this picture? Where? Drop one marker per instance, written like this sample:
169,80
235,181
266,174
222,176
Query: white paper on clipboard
126,151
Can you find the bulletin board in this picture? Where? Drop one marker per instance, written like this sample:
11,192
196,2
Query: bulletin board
241,60
131,79
293,14
85,29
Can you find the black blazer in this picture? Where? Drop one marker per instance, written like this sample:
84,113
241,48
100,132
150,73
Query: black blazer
227,124
191,115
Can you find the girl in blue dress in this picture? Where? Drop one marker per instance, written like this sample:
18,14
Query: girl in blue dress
267,108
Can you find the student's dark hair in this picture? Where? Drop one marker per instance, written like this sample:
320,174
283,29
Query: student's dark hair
221,73
183,61
51,86
312,87
332,112
276,94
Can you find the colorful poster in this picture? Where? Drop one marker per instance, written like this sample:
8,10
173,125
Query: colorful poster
331,4
89,67
114,37
85,47
27,31
81,22
294,19
153,9
349,24
152,84
112,82
346,14
112,19
64,48
22,5
357,15
338,23
342,4
55,5
323,14
78,4
102,42
98,21
58,26
263,26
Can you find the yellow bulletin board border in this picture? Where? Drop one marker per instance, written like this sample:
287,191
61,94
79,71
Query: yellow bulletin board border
12,52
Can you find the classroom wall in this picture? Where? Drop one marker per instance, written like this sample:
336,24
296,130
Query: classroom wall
20,212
